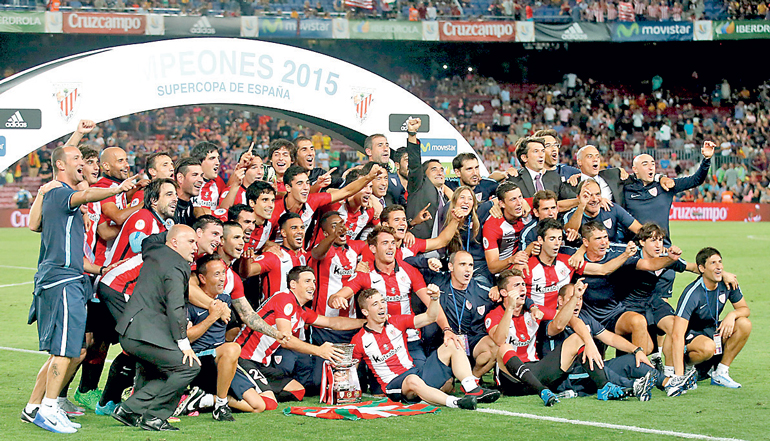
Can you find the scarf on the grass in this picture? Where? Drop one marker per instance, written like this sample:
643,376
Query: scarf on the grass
366,410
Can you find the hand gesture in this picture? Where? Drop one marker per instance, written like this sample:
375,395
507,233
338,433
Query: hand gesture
45,188
85,126
572,235
537,247
239,173
580,288
376,170
362,267
413,125
674,253
605,204
512,172
434,264
708,149
631,249
584,197
338,302
574,180
325,179
128,184
667,183
623,174
282,338
327,351
536,313
245,161
433,290
494,294
189,356
422,216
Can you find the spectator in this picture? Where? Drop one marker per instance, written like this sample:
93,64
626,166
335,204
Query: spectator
22,198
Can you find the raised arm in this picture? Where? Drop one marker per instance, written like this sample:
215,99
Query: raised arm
603,269
431,315
699,177
36,210
355,186
98,194
251,319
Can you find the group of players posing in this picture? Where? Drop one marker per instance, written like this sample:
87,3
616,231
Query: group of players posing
524,273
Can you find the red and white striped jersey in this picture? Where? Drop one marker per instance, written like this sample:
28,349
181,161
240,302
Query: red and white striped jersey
137,198
102,246
284,305
123,277
395,287
402,252
385,352
240,196
545,281
521,332
143,221
259,236
355,220
500,234
275,268
314,202
94,210
209,195
233,285
338,266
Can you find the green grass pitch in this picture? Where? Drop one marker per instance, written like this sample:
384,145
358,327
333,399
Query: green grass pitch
710,410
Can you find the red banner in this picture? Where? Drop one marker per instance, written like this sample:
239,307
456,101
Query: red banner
99,23
477,30
12,217
698,211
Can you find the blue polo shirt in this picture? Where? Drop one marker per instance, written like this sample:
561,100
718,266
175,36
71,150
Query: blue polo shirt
638,287
600,300
548,343
62,241
616,220
703,307
465,309
215,335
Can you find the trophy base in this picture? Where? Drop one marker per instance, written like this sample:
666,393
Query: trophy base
346,397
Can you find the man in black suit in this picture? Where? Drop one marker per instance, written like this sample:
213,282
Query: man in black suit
533,176
610,180
154,329
425,186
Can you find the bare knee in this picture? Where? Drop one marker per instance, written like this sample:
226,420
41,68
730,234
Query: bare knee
743,325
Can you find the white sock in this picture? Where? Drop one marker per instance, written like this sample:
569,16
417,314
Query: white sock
208,400
29,408
50,404
469,383
668,371
220,402
722,369
451,402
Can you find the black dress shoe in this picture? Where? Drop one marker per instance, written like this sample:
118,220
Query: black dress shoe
126,417
156,424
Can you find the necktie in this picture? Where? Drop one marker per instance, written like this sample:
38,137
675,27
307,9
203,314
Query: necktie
539,183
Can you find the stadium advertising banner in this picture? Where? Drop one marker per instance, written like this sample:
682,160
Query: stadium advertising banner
571,32
15,218
477,30
302,86
290,28
203,26
741,29
652,31
98,23
22,21
702,31
700,211
385,30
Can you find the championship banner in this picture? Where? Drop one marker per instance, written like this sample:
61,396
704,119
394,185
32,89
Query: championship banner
367,410
571,32
703,31
652,31
525,31
477,30
385,30
701,211
430,31
203,26
741,29
14,217
155,25
287,28
99,23
22,21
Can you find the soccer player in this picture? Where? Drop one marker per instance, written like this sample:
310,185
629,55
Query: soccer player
466,167
514,330
616,220
543,207
303,155
279,156
334,260
501,235
698,335
244,177
464,304
158,165
285,312
208,198
394,279
260,197
189,176
382,343
275,265
60,279
377,149
243,215
356,211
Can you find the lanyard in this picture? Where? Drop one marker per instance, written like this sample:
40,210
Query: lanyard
716,301
460,314
468,242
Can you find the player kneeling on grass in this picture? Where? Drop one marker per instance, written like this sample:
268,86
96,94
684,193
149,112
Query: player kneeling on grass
633,370
382,344
518,370
698,336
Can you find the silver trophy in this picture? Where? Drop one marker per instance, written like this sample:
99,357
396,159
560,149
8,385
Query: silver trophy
346,388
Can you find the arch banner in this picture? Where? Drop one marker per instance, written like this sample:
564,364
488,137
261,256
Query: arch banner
44,103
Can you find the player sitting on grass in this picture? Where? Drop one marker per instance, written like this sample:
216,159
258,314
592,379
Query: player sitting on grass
382,344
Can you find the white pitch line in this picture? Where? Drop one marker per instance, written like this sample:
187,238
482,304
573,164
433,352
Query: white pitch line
29,351
606,425
16,284
18,267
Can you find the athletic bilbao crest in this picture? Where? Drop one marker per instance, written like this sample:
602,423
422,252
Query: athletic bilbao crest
653,191
362,100
67,97
607,223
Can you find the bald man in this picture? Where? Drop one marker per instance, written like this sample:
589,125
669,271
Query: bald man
154,329
611,180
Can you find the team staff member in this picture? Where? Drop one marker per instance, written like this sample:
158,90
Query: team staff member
154,329
466,167
615,219
425,186
56,214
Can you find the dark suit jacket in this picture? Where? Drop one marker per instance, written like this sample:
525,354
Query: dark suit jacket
396,191
421,192
156,312
612,177
551,181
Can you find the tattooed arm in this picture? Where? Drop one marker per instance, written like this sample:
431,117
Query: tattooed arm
255,322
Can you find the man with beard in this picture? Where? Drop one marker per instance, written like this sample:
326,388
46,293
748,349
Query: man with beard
303,155
189,178
117,285
243,215
158,165
398,181
466,167
208,198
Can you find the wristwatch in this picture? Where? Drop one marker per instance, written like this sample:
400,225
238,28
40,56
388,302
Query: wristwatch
639,349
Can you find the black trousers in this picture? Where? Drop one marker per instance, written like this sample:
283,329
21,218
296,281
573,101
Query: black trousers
160,379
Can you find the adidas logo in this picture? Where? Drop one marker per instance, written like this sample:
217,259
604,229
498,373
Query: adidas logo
574,32
203,26
16,121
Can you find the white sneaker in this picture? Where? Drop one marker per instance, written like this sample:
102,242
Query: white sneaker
51,421
724,380
65,419
692,374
